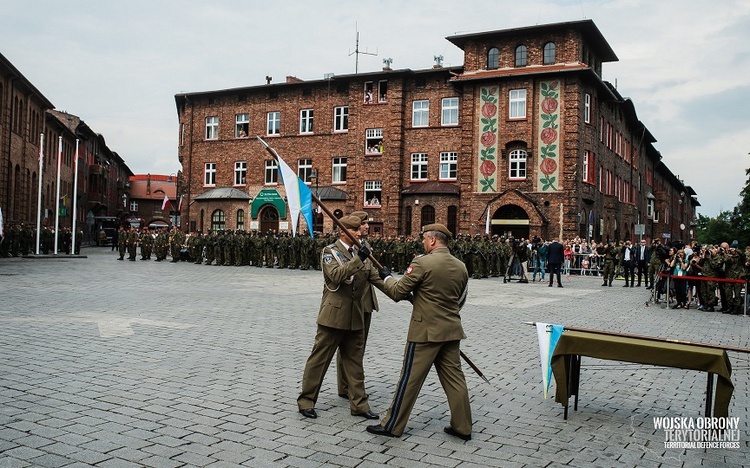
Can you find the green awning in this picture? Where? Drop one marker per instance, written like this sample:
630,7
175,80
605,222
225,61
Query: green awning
268,197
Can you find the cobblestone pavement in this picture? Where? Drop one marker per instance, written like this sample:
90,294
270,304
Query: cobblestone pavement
117,364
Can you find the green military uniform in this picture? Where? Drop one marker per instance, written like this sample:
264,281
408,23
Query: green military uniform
341,324
735,268
269,250
610,255
707,289
147,243
438,282
122,242
208,247
132,244
654,265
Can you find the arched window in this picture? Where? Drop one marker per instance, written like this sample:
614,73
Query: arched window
549,53
493,58
517,169
241,220
217,220
428,215
521,56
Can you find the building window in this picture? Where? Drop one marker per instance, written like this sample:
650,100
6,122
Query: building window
212,128
521,56
419,166
448,165
493,58
240,220
338,174
383,91
374,141
428,215
217,220
420,116
449,114
589,167
133,206
407,220
452,219
650,208
549,53
587,108
306,121
304,170
272,174
373,189
517,164
209,173
241,125
369,93
341,119
240,172
517,108
273,123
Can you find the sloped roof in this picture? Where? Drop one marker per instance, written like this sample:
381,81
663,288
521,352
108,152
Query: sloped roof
431,187
329,193
223,194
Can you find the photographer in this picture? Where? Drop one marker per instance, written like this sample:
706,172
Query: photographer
678,268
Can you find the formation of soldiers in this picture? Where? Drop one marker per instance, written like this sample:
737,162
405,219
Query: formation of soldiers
20,240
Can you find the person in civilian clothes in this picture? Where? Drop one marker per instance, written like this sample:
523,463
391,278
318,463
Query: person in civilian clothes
628,263
642,259
555,258
341,321
438,282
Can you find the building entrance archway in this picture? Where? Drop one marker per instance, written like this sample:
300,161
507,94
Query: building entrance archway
269,219
510,220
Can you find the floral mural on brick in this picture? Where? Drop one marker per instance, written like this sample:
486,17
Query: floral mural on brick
548,175
488,126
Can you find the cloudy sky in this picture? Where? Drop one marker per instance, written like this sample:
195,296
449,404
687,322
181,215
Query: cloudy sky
118,64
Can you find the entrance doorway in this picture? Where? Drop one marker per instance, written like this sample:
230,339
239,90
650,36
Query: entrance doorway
510,220
269,219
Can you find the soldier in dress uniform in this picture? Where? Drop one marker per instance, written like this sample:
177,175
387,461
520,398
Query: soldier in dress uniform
122,242
132,243
341,321
437,285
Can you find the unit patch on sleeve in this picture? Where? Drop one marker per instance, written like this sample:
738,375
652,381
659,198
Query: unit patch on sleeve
408,270
327,258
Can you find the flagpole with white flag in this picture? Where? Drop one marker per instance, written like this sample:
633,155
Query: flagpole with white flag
39,195
57,198
487,221
75,197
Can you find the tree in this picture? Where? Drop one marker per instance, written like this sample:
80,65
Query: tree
728,226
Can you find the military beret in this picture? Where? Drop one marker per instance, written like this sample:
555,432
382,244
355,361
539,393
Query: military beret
437,227
361,215
735,244
351,222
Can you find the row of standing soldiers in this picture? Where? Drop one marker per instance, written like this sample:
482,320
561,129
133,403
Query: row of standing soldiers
20,239
484,256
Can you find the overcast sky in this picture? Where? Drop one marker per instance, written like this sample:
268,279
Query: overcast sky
118,64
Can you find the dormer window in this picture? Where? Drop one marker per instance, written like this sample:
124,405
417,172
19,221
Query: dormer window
493,58
549,53
521,56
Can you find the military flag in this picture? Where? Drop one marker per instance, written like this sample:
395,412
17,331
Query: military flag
298,196
548,336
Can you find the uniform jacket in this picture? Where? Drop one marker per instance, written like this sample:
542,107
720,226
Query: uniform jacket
438,281
346,280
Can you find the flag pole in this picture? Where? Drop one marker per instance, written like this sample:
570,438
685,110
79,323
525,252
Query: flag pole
75,198
57,198
39,195
356,242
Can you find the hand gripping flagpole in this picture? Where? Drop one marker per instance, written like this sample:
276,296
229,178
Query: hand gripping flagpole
356,242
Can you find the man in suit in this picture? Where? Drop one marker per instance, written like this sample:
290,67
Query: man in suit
341,322
438,282
628,262
555,258
642,259
369,303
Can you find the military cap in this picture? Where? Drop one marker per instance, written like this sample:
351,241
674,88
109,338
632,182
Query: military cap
361,214
437,227
351,222
735,244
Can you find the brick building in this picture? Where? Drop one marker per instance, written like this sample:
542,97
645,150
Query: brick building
25,113
526,130
145,200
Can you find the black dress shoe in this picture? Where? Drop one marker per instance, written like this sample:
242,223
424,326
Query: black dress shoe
309,413
451,431
366,414
380,430
559,285
344,395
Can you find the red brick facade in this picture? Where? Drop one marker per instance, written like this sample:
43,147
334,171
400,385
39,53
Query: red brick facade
606,200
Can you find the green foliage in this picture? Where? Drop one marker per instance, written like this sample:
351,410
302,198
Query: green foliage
728,225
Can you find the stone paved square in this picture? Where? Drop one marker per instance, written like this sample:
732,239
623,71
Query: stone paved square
108,363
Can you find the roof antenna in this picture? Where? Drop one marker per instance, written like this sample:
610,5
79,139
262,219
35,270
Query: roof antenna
358,52
582,12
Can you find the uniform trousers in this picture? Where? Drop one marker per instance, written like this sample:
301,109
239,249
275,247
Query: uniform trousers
341,378
418,359
327,341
